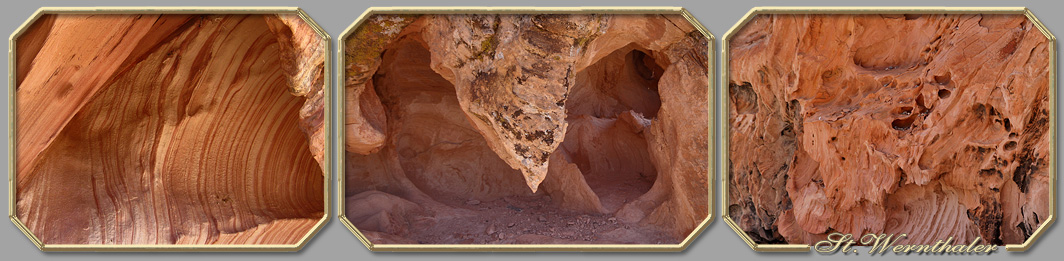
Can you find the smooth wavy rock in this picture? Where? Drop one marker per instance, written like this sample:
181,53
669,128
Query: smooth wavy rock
930,125
169,129
547,121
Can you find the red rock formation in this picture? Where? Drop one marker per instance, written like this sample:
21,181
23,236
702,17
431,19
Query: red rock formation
302,53
169,129
499,128
931,125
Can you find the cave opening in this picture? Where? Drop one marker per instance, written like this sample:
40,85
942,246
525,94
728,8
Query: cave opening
520,129
437,147
611,104
433,144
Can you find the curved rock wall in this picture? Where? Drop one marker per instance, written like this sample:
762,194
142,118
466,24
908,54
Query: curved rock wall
169,129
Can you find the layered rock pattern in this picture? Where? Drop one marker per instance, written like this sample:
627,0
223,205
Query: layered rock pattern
508,128
931,125
169,129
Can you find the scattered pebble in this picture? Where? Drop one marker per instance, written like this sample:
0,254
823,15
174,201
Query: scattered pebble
501,225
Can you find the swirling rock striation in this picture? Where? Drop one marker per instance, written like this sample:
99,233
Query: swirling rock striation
169,129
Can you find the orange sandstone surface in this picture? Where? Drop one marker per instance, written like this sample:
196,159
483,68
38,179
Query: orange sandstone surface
932,125
169,129
526,129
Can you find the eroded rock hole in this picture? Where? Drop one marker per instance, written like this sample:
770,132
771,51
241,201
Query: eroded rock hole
743,97
904,111
943,79
1010,145
943,93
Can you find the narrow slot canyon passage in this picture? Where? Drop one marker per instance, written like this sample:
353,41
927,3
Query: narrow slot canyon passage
195,138
425,165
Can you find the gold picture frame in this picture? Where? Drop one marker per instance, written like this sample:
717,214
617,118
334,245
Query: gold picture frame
512,248
725,102
327,172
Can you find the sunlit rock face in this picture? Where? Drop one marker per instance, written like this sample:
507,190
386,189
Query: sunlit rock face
526,129
932,125
165,129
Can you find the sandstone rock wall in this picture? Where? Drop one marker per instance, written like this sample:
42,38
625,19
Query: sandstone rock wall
169,129
931,125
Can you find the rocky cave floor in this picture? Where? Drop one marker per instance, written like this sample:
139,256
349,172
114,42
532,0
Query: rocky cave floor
529,220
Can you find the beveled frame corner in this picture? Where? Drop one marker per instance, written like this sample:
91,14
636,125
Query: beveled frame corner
340,132
11,113
725,125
